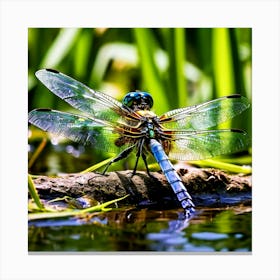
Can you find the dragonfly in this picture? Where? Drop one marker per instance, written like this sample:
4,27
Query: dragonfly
130,126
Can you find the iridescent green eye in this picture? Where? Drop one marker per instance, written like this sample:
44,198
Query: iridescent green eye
138,98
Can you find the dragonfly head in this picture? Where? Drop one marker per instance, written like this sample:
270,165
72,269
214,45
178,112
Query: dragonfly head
138,100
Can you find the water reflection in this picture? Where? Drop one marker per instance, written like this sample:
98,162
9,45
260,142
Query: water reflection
210,230
169,239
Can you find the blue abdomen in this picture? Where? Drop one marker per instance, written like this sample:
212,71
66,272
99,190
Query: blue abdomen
171,175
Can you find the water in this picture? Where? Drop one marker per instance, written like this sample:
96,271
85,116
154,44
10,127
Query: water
210,230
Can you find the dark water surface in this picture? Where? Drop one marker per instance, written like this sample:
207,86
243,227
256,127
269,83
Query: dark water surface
210,230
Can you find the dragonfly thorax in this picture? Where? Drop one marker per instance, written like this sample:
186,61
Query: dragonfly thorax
151,130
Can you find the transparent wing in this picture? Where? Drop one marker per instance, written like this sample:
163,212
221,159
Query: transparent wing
205,115
81,97
196,145
76,128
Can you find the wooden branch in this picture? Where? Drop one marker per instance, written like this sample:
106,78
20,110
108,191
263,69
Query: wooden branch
206,186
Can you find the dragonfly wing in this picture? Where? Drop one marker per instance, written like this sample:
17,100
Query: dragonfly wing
80,96
196,145
205,115
76,128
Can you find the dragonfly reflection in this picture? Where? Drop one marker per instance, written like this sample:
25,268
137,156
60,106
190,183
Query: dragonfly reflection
107,124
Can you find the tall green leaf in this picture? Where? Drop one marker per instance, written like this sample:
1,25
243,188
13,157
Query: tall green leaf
60,47
150,72
222,62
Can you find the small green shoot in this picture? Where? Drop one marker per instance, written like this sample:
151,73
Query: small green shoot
69,213
223,165
96,166
34,195
37,152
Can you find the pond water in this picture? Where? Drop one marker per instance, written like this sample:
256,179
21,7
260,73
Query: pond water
209,230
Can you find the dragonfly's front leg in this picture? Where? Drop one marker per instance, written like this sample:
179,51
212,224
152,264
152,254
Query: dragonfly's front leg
120,156
138,154
146,164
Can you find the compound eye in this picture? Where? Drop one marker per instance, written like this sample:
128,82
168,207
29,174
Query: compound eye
148,99
138,100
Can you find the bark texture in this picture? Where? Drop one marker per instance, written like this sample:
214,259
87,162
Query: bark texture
208,187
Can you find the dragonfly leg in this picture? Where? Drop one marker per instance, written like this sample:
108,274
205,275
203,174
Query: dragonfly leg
135,166
146,164
138,154
120,156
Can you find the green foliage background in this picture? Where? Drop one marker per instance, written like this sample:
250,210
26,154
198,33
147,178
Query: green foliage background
178,66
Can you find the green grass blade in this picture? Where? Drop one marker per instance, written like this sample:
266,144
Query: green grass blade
96,166
82,52
33,193
70,213
224,166
60,47
37,152
180,58
150,72
176,83
223,68
222,62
